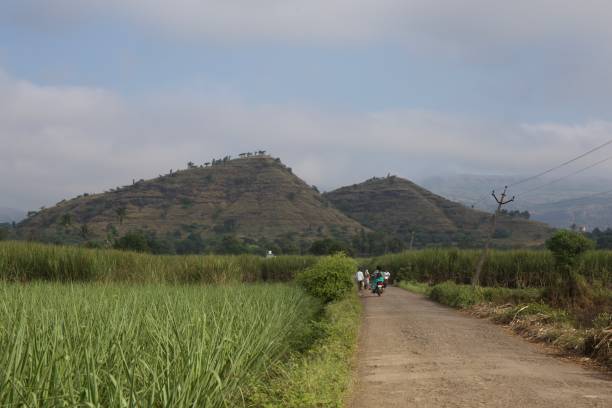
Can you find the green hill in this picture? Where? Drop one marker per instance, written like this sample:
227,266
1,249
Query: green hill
256,200
399,208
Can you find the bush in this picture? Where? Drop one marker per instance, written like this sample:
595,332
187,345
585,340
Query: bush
133,241
460,296
566,246
329,279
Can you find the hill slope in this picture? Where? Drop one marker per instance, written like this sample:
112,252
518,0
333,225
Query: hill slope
399,207
250,198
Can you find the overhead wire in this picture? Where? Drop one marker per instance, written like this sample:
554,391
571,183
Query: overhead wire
582,170
609,142
578,198
550,170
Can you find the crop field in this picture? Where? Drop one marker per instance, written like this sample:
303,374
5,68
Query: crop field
26,261
512,268
120,345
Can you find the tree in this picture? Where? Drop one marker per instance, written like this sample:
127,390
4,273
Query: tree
190,165
121,213
328,246
132,241
566,247
84,231
193,244
66,220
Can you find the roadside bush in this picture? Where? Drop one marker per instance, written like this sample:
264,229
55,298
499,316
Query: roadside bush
460,296
570,286
329,279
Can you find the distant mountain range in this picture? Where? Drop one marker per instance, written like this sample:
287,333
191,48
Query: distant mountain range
561,204
258,201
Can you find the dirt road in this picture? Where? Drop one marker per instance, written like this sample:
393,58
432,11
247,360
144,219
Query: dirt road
416,353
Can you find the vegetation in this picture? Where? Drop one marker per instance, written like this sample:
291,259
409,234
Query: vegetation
329,246
410,216
25,261
513,269
331,278
527,312
322,376
201,209
112,345
566,247
603,239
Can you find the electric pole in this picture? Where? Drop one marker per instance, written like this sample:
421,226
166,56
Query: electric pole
500,203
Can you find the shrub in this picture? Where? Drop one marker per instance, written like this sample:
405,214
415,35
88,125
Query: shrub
329,279
133,241
566,246
460,296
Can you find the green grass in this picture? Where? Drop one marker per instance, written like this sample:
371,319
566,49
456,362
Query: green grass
465,296
511,268
152,345
26,261
321,377
415,287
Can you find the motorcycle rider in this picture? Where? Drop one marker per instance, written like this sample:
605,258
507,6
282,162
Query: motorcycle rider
378,277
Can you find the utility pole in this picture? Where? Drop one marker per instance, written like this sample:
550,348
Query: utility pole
500,203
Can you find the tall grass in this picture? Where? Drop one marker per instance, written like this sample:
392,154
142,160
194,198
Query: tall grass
154,346
25,261
515,268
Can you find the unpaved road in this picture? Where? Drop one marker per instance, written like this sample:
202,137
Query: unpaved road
416,353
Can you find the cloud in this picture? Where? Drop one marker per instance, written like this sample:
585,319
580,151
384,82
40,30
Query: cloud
465,24
58,142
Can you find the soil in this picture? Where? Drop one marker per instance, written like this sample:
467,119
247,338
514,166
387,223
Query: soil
416,353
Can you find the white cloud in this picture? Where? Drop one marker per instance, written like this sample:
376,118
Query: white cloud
57,142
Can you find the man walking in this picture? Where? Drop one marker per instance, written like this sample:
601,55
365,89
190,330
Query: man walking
359,278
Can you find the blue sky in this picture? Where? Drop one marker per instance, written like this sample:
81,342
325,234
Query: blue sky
97,93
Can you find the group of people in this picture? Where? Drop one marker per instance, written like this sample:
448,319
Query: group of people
367,280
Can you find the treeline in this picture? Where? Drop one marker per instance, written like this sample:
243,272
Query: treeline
602,238
25,261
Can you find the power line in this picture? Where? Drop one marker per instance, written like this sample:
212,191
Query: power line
576,198
483,197
561,165
582,170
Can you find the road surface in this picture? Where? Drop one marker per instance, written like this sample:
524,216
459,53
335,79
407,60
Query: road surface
416,353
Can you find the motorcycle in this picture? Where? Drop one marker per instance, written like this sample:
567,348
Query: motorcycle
379,288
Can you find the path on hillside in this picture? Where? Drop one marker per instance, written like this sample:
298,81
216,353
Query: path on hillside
416,353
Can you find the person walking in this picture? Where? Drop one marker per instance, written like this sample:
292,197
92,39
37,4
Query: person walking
387,276
367,278
359,277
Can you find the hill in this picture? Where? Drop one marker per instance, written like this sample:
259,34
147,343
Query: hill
399,208
257,201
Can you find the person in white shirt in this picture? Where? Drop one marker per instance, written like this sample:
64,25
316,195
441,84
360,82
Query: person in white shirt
359,278
387,276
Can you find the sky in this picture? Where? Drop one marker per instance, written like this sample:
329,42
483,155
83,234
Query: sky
96,93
